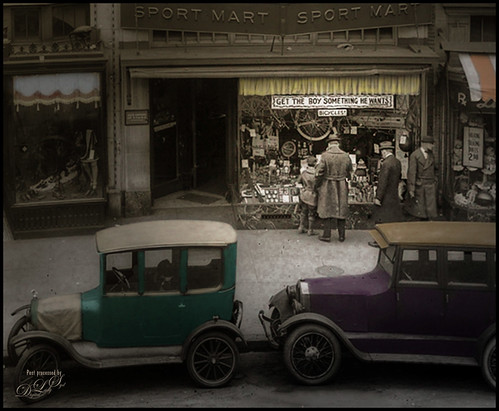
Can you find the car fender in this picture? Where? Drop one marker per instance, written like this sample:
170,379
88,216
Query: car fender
213,325
314,318
24,307
60,343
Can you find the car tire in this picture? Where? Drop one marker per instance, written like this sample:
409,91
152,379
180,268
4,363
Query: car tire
30,384
213,360
21,325
312,354
488,363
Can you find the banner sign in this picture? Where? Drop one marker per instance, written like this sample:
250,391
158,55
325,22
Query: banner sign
331,102
332,113
271,18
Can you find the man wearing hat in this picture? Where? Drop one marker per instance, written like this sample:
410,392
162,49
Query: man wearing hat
421,183
387,202
332,172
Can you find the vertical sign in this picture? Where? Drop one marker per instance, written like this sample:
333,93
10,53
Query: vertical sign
473,147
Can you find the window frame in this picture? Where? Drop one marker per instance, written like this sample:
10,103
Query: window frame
462,285
25,10
401,282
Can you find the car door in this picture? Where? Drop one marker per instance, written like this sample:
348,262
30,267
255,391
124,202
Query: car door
420,298
162,302
470,292
118,313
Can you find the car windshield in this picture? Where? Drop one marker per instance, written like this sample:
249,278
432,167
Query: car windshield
387,258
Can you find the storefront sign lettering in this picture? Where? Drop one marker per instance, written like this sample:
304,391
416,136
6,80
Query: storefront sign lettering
473,147
331,102
271,18
332,113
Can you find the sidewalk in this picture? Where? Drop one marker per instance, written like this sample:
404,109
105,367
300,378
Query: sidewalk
267,260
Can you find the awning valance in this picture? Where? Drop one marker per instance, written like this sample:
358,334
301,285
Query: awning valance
266,80
63,88
480,71
404,84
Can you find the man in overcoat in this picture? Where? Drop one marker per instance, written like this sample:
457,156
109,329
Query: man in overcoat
332,172
387,202
421,183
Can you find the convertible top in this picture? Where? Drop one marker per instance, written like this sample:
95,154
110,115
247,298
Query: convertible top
164,233
436,233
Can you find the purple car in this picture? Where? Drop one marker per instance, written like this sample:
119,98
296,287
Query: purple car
431,298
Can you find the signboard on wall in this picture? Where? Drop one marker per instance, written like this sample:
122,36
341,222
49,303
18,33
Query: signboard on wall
271,18
136,117
473,147
331,101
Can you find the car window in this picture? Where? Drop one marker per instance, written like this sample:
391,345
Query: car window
204,268
418,265
161,273
121,273
466,267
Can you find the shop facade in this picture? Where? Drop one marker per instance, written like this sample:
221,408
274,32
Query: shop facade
246,92
55,151
469,134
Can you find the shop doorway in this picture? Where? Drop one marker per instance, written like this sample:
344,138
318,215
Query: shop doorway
210,136
189,137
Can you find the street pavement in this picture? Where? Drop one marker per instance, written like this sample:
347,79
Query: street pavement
267,261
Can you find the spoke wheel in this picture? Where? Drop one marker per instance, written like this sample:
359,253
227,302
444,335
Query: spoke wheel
312,354
311,126
21,325
213,360
30,383
489,363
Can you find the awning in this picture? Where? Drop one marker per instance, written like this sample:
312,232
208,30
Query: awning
480,71
64,88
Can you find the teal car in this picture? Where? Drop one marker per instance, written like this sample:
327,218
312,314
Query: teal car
166,295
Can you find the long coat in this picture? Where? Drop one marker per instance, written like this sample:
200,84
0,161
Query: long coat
387,192
332,188
307,193
421,180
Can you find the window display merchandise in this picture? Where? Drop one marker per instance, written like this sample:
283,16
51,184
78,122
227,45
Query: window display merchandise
57,145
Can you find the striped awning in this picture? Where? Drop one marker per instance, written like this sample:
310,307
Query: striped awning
480,71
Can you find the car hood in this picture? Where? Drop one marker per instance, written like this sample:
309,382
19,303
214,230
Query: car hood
373,282
59,315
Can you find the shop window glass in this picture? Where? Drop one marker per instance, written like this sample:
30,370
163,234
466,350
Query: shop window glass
26,23
66,18
58,144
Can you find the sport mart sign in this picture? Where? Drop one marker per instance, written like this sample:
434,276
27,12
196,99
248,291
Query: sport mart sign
331,101
271,18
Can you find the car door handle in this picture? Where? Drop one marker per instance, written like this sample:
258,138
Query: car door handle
181,305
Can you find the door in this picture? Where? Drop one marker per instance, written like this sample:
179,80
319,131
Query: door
211,119
165,174
420,300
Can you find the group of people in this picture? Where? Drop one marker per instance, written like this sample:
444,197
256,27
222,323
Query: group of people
325,187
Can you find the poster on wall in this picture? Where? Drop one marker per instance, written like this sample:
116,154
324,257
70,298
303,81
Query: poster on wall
473,147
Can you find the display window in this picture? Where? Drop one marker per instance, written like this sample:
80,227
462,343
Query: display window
474,162
279,131
57,142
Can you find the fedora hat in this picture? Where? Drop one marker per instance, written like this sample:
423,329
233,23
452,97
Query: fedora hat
386,145
427,139
333,137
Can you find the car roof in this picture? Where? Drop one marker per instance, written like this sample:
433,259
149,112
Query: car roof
171,233
436,233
